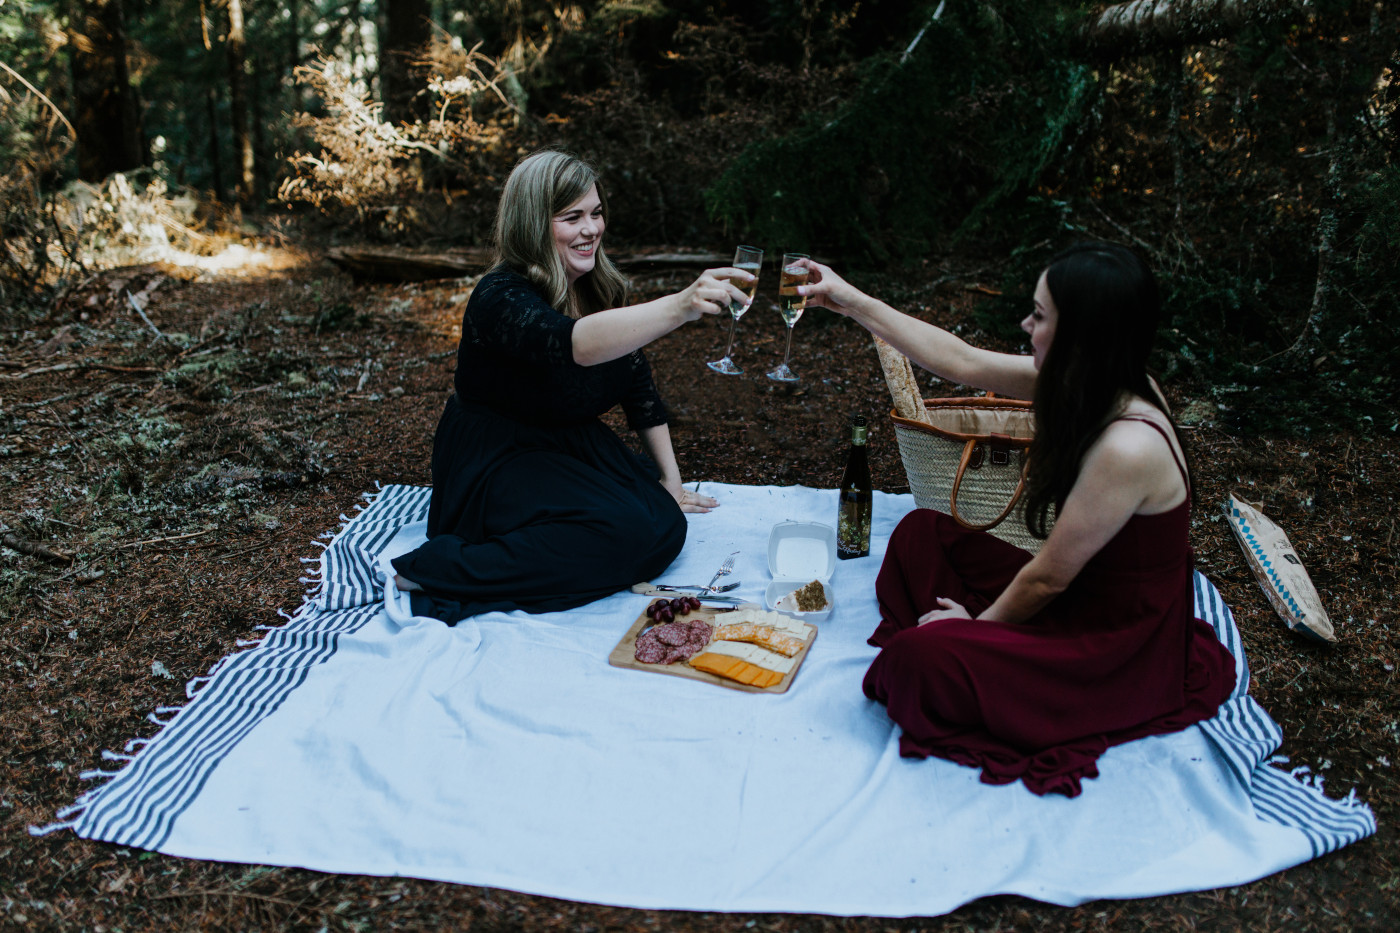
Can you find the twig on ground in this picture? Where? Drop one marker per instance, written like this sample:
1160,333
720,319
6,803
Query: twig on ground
216,892
192,534
62,367
136,306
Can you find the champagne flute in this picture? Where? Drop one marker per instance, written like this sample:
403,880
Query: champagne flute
749,259
791,305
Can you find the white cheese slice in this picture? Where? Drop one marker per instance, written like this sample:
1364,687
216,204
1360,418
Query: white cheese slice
774,620
760,657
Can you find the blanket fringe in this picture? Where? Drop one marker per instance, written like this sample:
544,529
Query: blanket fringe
1313,783
196,685
62,816
152,717
219,665
77,806
97,774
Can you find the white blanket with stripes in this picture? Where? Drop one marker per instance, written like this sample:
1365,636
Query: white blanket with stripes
507,752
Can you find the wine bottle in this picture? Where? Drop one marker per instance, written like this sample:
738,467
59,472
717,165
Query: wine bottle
853,521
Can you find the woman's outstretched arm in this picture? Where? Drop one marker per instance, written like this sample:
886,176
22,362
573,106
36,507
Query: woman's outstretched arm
935,349
616,332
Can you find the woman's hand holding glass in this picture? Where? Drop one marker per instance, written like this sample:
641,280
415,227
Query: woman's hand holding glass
826,289
713,292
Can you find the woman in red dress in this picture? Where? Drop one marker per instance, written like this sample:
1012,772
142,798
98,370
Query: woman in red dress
1030,667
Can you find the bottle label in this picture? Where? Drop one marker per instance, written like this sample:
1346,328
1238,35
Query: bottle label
853,529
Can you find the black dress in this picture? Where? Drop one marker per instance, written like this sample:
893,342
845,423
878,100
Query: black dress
536,504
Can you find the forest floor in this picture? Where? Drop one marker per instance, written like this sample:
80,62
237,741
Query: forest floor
159,490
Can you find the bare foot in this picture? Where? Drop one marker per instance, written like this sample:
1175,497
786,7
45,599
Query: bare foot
405,584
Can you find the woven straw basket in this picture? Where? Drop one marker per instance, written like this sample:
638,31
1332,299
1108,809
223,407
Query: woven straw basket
969,462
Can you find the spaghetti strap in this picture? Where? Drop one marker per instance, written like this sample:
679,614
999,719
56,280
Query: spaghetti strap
1186,479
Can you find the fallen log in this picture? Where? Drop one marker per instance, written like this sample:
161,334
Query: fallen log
390,264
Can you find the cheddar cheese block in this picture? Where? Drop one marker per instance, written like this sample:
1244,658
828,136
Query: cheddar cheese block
742,662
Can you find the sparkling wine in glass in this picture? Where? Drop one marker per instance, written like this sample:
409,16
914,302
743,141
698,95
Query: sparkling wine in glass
790,305
750,260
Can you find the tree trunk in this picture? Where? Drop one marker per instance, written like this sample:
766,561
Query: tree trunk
238,102
259,123
407,28
216,159
1152,25
1309,340
106,116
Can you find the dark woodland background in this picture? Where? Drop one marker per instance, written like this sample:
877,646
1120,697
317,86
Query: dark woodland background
1248,147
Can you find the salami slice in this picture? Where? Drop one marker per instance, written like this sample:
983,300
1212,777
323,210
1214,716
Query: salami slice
650,649
672,642
674,634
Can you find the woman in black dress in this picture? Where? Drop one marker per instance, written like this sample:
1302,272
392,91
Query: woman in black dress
536,504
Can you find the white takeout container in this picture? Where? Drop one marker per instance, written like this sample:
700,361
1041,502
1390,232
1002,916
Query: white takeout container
798,553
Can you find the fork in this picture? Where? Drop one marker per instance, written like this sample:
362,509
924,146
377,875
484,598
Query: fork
724,569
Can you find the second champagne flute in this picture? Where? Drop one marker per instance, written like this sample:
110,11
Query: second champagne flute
749,259
791,304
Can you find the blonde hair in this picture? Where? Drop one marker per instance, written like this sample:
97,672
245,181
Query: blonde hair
542,185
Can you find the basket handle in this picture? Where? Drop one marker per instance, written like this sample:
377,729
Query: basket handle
968,448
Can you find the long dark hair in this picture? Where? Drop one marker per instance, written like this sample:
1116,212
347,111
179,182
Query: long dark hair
1108,310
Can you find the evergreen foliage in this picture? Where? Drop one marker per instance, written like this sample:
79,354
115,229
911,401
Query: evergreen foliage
1257,170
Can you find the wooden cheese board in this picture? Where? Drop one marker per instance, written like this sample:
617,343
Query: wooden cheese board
624,655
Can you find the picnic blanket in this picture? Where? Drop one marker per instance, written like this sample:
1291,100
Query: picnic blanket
507,752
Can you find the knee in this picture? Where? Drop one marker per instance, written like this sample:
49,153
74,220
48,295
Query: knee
654,535
669,531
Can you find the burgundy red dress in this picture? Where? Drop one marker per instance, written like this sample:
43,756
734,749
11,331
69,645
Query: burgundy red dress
1117,656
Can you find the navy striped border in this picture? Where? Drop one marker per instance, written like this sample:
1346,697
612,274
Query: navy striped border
139,806
1247,737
